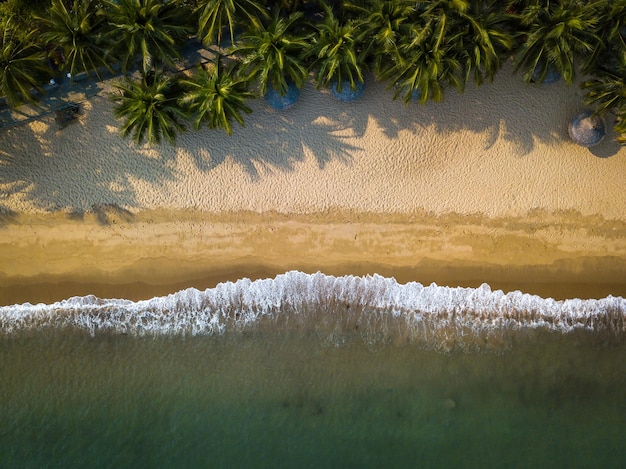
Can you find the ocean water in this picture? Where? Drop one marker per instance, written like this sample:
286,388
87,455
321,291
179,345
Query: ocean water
315,371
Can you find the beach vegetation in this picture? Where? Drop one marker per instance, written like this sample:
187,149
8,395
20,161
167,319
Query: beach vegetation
383,25
483,35
611,28
152,31
79,30
21,13
335,52
272,54
558,35
219,17
425,61
606,93
605,89
23,67
150,108
421,48
216,95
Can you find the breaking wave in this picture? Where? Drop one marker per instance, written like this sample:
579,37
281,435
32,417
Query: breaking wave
373,308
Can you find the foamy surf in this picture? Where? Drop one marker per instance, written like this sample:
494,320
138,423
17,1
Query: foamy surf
374,308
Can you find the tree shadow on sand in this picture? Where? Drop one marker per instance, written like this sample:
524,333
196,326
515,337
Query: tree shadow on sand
106,214
88,167
278,140
70,169
521,116
508,110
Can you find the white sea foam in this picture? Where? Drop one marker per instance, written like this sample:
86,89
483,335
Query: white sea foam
373,307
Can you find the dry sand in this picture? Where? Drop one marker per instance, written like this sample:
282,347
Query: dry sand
486,187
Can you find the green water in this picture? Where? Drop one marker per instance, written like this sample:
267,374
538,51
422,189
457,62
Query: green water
68,400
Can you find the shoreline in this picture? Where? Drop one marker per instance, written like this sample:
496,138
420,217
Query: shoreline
49,257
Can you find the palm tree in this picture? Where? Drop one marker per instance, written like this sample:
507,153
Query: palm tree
606,92
79,30
216,95
21,13
23,66
385,23
481,33
335,50
151,29
611,29
273,54
217,15
425,62
557,33
149,108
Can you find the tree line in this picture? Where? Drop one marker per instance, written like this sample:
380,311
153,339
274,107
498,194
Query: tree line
420,48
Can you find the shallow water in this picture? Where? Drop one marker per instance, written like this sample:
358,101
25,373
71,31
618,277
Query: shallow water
315,371
274,400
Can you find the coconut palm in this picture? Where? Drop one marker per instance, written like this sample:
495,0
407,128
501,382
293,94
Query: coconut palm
23,66
425,62
149,108
79,31
557,33
385,23
273,54
21,12
216,96
606,92
151,29
215,16
335,50
480,30
611,29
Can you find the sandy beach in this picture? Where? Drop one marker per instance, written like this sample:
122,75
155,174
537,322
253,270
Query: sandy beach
484,187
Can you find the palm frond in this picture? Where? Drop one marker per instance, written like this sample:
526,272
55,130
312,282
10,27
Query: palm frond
23,66
149,108
216,96
151,29
80,31
274,54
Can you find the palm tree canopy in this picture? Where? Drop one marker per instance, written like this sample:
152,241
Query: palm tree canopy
611,29
557,33
384,25
149,108
427,60
23,66
215,16
273,54
606,92
335,52
151,29
79,30
216,96
480,30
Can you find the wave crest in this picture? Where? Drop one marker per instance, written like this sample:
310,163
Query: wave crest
374,308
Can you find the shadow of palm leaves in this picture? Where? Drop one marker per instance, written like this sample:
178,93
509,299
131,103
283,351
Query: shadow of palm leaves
109,176
278,140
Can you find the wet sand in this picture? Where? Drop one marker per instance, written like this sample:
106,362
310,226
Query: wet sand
48,257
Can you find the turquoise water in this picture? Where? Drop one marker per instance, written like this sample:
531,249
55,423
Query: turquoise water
278,400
